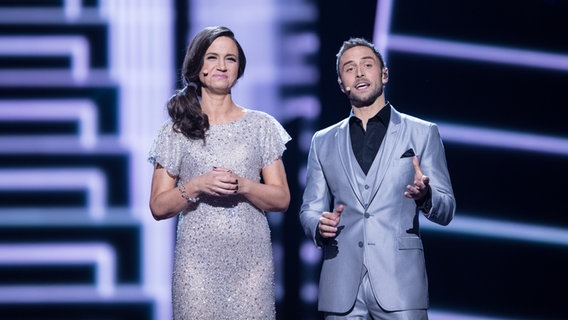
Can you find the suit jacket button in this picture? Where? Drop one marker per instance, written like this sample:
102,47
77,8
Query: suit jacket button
360,244
367,215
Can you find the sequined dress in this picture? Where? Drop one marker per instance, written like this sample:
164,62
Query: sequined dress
223,265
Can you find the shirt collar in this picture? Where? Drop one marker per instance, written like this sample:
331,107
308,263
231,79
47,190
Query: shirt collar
383,115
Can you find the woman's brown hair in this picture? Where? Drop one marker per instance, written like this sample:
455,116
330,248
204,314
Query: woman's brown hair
184,107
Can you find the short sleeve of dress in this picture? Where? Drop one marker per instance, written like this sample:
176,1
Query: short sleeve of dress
167,149
274,139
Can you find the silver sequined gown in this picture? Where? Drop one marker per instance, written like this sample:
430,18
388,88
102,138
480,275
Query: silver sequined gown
223,265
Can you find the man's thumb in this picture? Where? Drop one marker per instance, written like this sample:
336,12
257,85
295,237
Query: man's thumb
339,209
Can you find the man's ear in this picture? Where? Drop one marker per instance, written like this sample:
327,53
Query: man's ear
385,75
340,83
342,87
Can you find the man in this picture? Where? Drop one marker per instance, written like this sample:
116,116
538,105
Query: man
377,170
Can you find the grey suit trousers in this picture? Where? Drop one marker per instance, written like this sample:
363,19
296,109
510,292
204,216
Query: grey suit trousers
366,307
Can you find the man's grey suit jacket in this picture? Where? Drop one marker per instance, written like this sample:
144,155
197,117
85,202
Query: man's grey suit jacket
379,227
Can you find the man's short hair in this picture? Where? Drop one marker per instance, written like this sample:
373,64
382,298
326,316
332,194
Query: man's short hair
355,42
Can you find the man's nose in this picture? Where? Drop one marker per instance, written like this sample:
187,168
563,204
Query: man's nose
359,72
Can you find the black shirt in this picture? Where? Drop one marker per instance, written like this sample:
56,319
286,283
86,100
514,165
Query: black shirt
366,143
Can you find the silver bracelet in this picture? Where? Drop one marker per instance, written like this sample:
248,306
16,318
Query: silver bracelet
184,194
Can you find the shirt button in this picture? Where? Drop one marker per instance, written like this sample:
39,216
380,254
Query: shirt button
360,244
367,215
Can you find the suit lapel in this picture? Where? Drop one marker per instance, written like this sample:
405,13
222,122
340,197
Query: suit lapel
347,158
384,156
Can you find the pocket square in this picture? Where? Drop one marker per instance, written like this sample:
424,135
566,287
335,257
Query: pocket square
408,153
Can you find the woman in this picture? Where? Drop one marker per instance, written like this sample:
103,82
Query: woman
218,168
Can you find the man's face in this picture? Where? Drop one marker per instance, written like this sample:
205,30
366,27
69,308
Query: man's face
361,76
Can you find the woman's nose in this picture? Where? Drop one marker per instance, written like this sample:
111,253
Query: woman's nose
221,65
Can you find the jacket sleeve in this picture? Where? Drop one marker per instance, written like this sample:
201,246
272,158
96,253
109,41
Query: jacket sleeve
317,197
442,205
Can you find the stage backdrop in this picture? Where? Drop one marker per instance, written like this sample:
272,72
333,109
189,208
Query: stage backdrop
83,86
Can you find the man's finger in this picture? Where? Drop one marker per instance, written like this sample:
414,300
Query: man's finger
425,180
416,165
339,209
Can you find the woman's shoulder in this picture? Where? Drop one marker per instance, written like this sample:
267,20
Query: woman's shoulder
168,123
167,131
265,122
260,116
166,127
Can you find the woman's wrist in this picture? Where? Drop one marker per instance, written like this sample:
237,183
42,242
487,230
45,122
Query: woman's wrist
185,195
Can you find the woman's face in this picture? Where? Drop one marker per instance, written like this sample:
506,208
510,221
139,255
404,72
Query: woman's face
220,66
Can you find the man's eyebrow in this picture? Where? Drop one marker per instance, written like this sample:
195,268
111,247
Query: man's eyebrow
363,58
346,63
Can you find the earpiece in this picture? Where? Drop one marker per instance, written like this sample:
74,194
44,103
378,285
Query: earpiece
205,73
